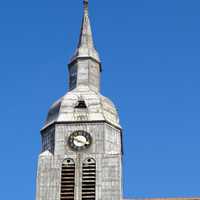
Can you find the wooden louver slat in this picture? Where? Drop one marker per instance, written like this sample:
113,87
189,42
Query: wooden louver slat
89,180
67,180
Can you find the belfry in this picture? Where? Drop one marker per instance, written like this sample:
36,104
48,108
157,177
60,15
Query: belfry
81,156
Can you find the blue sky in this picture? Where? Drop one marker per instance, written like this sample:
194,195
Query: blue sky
150,51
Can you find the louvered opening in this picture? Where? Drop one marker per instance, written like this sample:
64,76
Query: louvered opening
67,180
89,180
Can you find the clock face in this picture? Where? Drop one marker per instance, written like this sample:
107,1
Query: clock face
80,140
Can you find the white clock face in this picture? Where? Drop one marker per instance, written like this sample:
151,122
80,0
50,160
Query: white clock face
79,140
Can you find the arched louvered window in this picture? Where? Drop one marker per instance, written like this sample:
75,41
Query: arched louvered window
67,180
89,179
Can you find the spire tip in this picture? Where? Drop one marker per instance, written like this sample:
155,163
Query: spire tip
85,2
86,47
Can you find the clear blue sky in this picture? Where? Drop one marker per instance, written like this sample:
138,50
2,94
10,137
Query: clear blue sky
150,51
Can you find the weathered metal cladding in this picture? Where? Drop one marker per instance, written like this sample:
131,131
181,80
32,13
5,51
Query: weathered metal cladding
86,47
84,72
99,108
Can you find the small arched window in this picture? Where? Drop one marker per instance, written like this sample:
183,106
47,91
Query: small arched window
67,180
89,179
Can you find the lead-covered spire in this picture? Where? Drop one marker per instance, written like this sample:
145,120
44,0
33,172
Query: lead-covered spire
85,65
85,48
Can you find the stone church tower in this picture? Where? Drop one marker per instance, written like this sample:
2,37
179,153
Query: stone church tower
81,156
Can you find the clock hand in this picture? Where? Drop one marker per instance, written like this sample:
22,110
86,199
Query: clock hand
78,140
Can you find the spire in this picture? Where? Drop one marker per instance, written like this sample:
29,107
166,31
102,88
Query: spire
85,48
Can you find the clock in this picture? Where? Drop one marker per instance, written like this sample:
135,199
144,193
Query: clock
80,140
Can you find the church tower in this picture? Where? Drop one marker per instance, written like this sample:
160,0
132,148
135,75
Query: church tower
81,156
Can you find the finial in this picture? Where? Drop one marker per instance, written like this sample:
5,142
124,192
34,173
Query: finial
85,2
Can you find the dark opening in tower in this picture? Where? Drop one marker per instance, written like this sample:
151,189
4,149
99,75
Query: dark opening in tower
67,180
81,104
89,179
81,110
